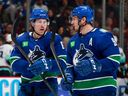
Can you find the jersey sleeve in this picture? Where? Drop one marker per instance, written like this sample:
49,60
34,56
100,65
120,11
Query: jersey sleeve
18,63
110,52
69,68
59,47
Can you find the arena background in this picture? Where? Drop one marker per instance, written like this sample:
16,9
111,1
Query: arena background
109,14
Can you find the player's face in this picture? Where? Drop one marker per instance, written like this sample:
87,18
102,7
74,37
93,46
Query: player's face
74,22
40,26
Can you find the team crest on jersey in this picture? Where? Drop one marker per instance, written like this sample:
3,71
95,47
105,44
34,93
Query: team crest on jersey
37,53
81,54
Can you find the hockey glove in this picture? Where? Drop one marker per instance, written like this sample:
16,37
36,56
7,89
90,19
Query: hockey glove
40,66
67,85
87,66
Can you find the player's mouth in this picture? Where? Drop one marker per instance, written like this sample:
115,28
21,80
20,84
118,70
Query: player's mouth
42,29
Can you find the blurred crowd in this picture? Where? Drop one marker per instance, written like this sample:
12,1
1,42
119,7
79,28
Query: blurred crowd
59,12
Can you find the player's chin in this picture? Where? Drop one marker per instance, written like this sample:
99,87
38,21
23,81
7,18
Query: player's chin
75,29
41,32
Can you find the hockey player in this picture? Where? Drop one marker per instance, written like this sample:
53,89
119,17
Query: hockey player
5,51
92,58
36,45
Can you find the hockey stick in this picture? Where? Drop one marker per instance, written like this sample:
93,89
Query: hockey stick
55,56
13,36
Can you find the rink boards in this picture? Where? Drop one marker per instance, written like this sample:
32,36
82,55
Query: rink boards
9,86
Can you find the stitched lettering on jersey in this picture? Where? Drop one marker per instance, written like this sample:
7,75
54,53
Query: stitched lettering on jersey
81,54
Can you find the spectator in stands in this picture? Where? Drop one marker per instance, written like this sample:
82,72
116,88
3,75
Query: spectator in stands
65,41
39,4
11,11
109,24
98,17
8,28
3,15
7,33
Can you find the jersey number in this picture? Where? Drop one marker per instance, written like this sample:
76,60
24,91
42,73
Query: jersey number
1,53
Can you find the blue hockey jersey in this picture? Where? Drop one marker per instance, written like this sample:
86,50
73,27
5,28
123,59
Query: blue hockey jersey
35,49
102,46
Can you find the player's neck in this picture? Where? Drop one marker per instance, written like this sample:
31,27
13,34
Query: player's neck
85,29
36,36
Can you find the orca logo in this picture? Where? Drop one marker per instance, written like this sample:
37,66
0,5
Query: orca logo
37,53
81,54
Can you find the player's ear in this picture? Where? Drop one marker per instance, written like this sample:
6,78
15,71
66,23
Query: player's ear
32,23
84,19
48,23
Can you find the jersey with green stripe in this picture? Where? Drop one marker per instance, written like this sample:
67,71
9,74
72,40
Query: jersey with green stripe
100,44
36,49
